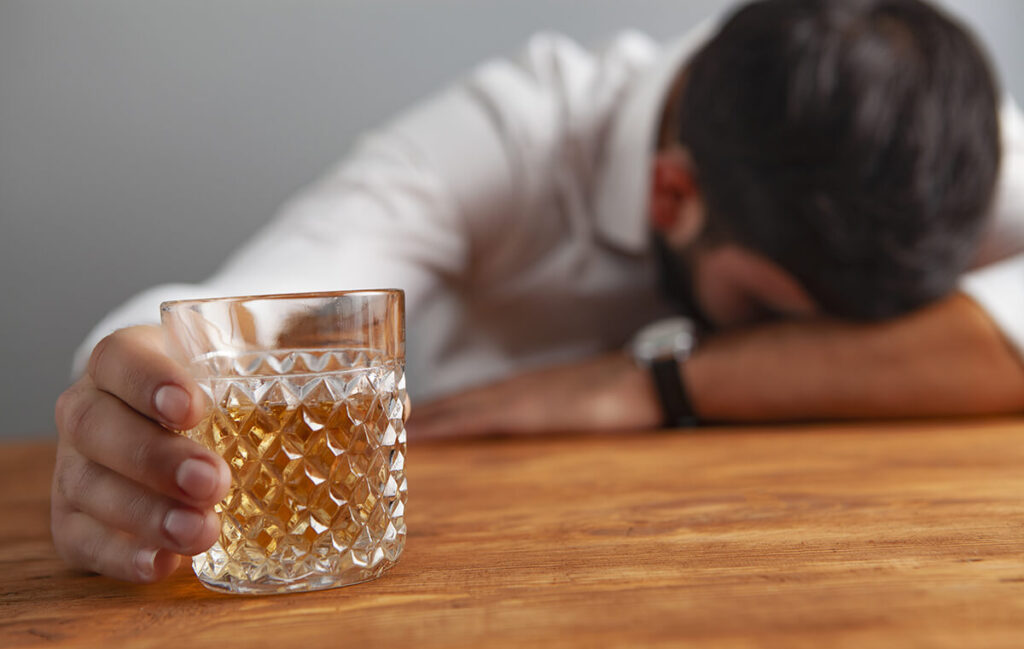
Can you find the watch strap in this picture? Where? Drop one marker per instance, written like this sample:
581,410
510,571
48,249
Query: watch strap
675,402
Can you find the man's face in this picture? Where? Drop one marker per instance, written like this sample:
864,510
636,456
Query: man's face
728,286
725,285
735,286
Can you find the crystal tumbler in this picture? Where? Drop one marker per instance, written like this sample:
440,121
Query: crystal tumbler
307,407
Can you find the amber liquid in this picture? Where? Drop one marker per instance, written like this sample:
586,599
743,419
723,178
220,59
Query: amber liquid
318,482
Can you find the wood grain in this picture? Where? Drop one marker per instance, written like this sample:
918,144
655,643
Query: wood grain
867,535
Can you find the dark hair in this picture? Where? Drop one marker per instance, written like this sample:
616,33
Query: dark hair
855,143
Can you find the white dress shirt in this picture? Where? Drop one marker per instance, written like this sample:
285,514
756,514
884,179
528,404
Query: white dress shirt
511,208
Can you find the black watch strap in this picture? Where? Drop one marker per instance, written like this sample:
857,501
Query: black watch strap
675,402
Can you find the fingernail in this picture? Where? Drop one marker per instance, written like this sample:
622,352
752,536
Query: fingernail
197,479
172,403
144,563
183,526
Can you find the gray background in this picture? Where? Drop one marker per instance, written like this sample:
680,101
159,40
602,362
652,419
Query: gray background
142,141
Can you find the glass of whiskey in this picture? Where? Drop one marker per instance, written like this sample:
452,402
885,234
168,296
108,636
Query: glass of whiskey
307,405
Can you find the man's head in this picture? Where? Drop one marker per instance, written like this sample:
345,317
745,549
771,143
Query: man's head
851,145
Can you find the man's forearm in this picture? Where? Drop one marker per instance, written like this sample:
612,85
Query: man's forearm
947,359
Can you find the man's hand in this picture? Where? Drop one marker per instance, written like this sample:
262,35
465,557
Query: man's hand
600,394
129,496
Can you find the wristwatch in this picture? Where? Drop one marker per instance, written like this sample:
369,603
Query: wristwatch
662,347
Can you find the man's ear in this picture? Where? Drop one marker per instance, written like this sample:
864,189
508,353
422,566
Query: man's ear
676,208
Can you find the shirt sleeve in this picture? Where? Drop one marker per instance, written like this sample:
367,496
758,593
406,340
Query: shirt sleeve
394,214
416,203
999,289
997,282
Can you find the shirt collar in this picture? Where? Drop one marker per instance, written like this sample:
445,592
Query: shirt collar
622,189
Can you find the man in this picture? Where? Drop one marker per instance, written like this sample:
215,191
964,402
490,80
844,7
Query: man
810,184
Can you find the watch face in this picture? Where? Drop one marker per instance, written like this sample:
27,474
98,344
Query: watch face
674,337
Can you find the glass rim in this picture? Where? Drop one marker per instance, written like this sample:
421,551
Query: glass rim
170,305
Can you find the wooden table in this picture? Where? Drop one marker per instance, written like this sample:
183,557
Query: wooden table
866,535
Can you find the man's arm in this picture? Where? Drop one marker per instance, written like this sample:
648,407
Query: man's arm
947,359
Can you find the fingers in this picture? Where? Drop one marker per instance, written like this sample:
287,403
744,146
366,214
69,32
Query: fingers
103,429
129,495
153,520
604,393
132,365
466,415
90,545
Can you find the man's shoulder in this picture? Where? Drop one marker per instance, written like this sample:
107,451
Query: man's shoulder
628,47
553,66
556,96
